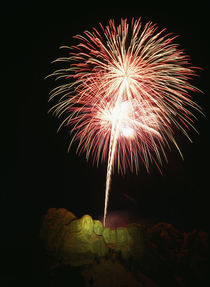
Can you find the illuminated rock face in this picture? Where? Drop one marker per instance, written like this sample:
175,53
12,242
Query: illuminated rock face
98,227
109,235
161,251
123,236
80,241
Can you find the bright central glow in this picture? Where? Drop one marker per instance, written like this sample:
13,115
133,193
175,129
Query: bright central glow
127,120
128,132
122,116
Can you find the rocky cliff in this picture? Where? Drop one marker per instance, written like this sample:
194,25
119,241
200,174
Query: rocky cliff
126,256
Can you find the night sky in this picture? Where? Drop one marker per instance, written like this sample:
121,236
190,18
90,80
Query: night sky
38,173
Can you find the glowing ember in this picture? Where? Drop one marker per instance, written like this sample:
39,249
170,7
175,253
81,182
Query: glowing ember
126,88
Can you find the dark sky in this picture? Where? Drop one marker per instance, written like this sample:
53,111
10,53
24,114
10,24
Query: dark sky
38,171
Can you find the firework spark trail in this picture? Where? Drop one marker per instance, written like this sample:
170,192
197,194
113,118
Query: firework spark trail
113,142
128,86
116,122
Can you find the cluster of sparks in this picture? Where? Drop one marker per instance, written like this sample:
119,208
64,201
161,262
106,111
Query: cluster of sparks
127,86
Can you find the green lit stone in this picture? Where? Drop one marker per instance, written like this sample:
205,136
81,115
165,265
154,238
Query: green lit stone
98,227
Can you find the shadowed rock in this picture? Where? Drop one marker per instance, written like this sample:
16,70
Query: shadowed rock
123,236
53,227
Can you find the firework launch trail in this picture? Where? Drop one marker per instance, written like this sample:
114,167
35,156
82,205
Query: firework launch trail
127,88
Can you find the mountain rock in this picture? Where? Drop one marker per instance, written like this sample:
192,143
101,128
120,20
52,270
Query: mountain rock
168,256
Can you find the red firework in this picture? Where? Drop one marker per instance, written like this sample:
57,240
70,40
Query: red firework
126,87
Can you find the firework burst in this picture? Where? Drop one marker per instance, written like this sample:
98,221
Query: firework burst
126,87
